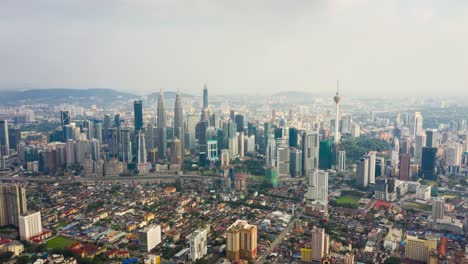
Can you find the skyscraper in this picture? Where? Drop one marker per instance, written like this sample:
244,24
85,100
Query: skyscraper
341,161
310,152
438,207
198,244
12,204
179,122
141,148
241,241
337,100
4,139
420,144
317,191
320,244
326,154
371,167
428,166
30,224
432,139
65,117
405,168
417,128
239,120
205,97
138,115
362,172
161,122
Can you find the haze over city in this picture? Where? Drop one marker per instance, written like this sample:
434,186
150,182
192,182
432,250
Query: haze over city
380,47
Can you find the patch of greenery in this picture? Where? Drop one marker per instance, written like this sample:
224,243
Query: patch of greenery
356,147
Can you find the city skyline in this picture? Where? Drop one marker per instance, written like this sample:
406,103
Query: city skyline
405,47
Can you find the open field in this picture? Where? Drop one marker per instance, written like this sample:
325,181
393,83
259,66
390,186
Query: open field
59,242
347,201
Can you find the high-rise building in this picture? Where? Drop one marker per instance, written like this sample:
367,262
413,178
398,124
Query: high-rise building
179,122
420,144
310,152
320,244
198,244
405,168
4,138
161,122
428,163
30,225
241,241
355,130
362,172
141,148
12,204
326,154
65,118
432,138
293,135
239,120
317,191
176,151
138,115
295,162
438,207
126,145
453,154
150,237
372,159
337,100
419,249
205,97
341,161
417,126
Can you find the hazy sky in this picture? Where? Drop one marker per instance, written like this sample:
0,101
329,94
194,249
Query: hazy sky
382,47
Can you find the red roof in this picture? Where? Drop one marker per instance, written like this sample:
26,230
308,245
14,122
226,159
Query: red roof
443,246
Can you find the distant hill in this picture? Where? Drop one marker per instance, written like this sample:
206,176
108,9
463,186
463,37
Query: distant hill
64,95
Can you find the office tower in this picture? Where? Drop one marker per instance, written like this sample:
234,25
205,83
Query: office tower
117,120
239,120
438,207
355,131
381,189
317,191
141,148
205,97
30,225
65,118
98,132
202,136
420,144
293,137
453,154
179,122
198,244
428,163
266,136
191,125
161,122
432,138
362,172
241,241
341,161
138,115
417,128
88,127
310,152
212,150
423,192
14,135
150,237
12,204
320,243
337,100
4,139
419,249
372,160
282,158
295,162
405,168
240,144
126,145
346,124
326,155
176,151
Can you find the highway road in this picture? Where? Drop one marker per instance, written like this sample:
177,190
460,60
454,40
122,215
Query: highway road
101,179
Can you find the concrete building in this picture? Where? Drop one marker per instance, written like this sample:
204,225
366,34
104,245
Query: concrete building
30,224
438,207
198,244
12,203
317,191
362,172
418,249
341,161
423,193
150,237
320,244
241,241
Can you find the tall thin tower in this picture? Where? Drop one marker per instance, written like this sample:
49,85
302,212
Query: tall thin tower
205,97
161,122
179,120
337,99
